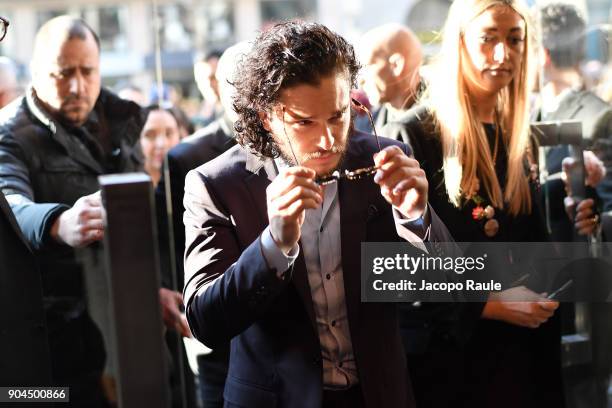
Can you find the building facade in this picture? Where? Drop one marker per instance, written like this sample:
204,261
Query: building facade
187,27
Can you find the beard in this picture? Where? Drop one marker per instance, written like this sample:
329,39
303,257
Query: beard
288,156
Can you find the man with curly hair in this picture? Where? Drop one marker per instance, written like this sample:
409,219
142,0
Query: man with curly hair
273,241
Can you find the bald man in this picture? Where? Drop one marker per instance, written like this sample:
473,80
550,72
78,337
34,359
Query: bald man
205,75
54,143
391,56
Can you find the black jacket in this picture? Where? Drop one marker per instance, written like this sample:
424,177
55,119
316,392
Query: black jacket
44,168
24,352
193,151
500,365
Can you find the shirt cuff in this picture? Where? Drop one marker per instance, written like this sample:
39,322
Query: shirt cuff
419,226
275,258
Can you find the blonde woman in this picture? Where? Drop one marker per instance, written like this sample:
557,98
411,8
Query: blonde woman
471,135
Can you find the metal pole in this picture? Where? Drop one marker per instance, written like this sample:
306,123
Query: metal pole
132,259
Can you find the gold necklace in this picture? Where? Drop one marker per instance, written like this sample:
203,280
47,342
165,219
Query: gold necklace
491,226
497,125
496,147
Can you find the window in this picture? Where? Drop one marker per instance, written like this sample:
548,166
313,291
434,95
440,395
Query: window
111,28
274,10
176,27
215,25
45,15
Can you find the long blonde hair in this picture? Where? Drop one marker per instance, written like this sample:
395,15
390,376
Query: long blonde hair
466,152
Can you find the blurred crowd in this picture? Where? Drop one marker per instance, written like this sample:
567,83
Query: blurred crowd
464,115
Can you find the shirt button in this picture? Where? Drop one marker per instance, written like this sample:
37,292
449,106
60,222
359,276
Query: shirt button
328,276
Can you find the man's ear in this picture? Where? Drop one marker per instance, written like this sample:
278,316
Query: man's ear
265,120
397,62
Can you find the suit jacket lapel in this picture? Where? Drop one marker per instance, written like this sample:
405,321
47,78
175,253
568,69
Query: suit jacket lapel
353,207
262,173
354,199
569,107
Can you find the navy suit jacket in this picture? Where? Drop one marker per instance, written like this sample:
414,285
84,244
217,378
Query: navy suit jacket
275,358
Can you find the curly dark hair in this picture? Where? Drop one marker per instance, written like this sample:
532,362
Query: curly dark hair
563,33
288,54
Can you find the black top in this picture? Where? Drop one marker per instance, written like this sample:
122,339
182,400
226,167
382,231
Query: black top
501,365
417,129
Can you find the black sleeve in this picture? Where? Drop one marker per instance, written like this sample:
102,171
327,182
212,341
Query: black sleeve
34,219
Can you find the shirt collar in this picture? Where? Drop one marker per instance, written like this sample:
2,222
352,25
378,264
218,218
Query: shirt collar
36,107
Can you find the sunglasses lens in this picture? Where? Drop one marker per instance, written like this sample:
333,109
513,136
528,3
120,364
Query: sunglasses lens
3,27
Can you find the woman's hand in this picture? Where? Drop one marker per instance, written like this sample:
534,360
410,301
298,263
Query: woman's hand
520,306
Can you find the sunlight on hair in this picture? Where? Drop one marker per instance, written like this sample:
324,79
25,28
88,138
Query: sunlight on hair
465,146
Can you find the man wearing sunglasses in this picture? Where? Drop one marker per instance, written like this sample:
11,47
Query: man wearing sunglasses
24,352
274,226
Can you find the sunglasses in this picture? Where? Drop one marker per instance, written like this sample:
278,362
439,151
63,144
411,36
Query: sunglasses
337,175
4,23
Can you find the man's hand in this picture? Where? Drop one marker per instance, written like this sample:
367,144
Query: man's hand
402,181
171,313
82,224
288,196
520,306
594,167
584,216
585,219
